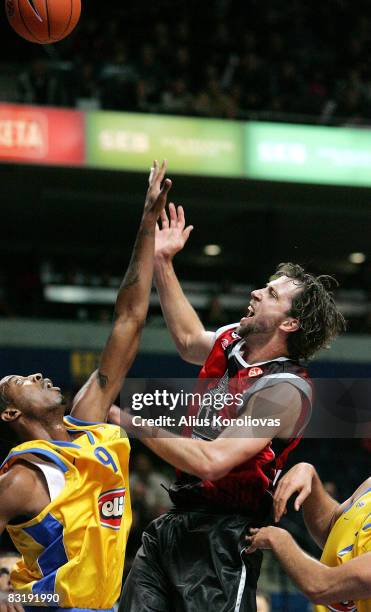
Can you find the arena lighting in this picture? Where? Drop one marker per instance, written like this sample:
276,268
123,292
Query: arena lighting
212,250
357,258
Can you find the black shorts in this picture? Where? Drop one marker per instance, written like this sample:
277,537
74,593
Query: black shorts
193,562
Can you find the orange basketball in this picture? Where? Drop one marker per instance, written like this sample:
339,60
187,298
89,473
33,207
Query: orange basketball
43,21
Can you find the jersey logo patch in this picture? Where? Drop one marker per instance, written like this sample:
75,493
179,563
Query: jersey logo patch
111,508
224,343
255,372
346,606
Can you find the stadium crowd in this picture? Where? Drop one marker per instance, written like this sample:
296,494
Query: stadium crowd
228,59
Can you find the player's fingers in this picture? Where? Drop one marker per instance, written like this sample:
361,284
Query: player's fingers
164,219
162,171
18,608
181,217
173,215
253,530
250,548
161,200
301,498
280,500
150,178
186,232
153,173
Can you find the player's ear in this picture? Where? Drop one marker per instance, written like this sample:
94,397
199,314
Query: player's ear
10,414
290,325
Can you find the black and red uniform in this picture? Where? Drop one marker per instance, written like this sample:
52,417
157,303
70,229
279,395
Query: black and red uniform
191,560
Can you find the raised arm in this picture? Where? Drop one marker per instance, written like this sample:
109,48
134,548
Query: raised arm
193,342
93,401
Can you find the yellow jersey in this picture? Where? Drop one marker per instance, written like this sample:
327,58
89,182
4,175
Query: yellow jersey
350,537
75,547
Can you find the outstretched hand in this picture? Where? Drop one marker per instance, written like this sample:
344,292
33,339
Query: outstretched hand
173,234
156,194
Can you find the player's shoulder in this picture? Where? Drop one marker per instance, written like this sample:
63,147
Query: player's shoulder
17,477
99,430
363,489
226,329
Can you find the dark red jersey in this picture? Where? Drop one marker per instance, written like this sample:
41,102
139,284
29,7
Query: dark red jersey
225,371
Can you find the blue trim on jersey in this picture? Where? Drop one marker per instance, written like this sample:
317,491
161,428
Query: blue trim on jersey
45,585
344,551
85,431
366,527
49,533
75,421
38,451
68,444
356,500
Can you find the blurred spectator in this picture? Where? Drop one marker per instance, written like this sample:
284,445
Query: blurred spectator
38,85
5,585
177,99
147,485
86,83
216,316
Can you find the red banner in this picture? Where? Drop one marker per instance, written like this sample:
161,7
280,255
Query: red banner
41,135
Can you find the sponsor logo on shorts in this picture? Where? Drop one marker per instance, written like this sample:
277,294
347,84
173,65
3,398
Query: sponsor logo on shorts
111,508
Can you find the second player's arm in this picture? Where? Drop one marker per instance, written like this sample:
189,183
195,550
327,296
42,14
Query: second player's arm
193,342
319,508
320,583
93,401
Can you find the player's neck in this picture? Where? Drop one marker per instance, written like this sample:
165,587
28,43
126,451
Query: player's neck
258,349
47,429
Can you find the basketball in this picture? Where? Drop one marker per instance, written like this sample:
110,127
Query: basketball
43,21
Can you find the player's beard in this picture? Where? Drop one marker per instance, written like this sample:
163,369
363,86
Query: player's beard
256,327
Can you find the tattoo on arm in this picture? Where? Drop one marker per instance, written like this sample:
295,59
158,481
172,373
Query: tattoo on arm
130,280
148,232
102,379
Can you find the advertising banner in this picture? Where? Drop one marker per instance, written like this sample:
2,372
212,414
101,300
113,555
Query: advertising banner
41,135
308,154
193,146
